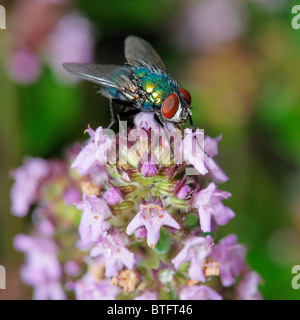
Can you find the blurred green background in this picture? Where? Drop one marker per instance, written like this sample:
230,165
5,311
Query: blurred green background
239,59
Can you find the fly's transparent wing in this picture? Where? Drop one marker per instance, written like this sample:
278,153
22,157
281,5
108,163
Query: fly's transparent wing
138,50
105,75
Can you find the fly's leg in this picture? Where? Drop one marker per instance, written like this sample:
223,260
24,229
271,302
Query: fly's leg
129,113
192,123
158,120
113,114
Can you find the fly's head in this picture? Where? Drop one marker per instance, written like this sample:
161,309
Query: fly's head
175,107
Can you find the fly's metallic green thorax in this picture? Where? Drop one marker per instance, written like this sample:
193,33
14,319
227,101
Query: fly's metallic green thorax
142,84
156,84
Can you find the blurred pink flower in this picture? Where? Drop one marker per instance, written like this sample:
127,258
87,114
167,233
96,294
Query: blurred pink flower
24,191
211,23
71,196
94,153
71,40
199,293
87,288
40,32
145,120
116,255
195,250
71,268
99,175
42,270
211,148
247,288
92,224
208,203
191,147
231,259
147,295
24,66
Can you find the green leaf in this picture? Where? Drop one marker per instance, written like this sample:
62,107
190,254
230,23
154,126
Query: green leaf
163,244
192,221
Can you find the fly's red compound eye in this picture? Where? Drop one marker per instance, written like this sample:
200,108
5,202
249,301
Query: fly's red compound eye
186,95
170,106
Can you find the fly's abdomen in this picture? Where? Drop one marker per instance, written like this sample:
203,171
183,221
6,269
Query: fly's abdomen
156,85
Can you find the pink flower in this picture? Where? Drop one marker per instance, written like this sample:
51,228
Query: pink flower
145,120
24,66
147,295
70,40
71,196
195,250
148,169
94,153
45,227
247,288
51,290
72,268
211,23
230,257
208,202
182,190
211,148
42,269
116,255
99,175
112,196
193,150
152,216
25,190
88,289
92,224
198,293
